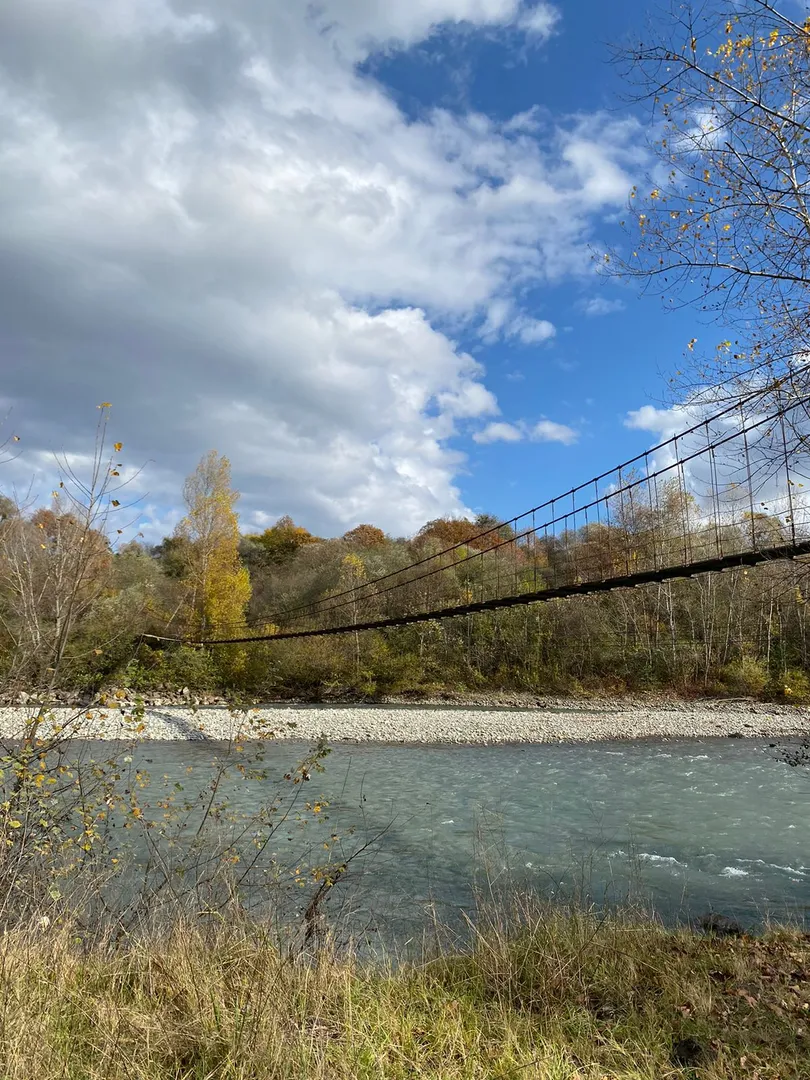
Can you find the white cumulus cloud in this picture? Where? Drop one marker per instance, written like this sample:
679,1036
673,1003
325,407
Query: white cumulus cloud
500,432
212,218
601,305
661,422
549,431
542,431
534,331
541,19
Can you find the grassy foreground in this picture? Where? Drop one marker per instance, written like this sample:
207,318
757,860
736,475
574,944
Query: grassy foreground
569,996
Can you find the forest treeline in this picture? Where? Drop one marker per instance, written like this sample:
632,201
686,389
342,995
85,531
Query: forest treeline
74,607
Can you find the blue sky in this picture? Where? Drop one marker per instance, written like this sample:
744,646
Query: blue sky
599,366
346,244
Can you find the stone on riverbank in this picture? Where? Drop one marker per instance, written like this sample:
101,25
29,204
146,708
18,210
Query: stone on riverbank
429,723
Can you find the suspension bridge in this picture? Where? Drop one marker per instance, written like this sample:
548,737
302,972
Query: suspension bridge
727,492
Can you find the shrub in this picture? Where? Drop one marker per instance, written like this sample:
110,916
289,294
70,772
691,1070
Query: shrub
171,668
744,676
794,685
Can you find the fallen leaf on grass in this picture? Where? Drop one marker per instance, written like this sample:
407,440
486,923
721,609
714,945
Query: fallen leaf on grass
752,1001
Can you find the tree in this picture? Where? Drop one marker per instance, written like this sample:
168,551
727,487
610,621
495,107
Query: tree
172,554
55,567
725,224
364,536
217,583
497,533
55,563
353,576
281,542
447,532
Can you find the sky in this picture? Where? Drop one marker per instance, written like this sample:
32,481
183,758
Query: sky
346,243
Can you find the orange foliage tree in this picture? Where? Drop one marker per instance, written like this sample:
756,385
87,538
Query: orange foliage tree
364,536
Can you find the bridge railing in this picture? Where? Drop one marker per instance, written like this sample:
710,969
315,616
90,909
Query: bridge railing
730,491
730,484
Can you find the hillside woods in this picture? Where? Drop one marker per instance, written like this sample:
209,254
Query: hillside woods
75,600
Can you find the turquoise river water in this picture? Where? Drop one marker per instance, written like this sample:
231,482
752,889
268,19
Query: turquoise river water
687,826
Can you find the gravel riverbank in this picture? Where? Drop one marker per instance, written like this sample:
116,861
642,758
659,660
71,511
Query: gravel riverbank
560,722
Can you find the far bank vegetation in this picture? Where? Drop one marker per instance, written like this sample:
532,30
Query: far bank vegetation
74,601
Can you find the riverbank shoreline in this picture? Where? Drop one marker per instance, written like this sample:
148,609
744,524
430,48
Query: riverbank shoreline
423,724
450,699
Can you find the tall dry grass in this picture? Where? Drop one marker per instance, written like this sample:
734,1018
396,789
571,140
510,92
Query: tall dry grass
563,994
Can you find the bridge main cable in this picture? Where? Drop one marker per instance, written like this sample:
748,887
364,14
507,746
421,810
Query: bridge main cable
363,591
585,588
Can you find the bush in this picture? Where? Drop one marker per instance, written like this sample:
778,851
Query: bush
745,676
307,666
170,669
393,670
794,685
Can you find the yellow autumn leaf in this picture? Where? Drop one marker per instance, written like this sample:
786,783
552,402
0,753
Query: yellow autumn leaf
105,405
115,502
118,447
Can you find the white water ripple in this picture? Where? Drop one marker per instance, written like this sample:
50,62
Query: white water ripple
667,860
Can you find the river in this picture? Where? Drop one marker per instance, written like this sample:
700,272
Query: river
686,826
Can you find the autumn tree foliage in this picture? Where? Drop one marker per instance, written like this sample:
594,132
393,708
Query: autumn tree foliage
217,585
480,535
743,632
723,224
79,610
447,532
364,536
54,567
55,563
281,541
